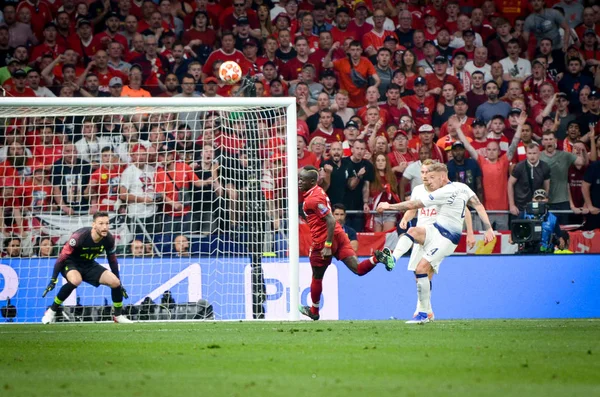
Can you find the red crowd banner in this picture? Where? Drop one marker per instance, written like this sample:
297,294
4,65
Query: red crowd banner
587,242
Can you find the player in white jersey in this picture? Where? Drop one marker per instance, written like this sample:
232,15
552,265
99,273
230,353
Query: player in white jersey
425,216
439,239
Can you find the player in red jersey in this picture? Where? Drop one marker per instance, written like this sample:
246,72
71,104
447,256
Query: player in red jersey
328,239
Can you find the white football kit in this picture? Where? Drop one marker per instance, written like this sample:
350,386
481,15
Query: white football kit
425,216
444,234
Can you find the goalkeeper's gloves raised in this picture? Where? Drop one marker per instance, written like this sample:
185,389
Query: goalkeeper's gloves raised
50,287
124,291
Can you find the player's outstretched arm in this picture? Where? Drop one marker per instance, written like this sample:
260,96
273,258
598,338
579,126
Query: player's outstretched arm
400,207
487,225
469,225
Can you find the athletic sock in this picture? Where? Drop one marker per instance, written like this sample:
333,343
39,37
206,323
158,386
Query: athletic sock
423,290
316,288
419,307
117,298
366,266
62,295
405,242
429,309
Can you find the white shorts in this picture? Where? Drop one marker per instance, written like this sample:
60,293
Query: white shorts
436,247
415,257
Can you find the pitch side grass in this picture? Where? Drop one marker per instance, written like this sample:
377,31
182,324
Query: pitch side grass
341,358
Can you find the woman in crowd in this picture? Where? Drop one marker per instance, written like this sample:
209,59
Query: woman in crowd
383,189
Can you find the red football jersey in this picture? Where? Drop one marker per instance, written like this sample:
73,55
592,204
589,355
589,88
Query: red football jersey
422,112
105,183
316,206
36,197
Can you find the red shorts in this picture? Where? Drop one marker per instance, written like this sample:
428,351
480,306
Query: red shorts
341,249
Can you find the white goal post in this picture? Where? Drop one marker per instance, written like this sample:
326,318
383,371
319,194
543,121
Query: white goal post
202,194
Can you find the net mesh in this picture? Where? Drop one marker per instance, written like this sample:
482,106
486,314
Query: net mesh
197,200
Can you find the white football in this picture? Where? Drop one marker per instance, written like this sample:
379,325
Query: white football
230,72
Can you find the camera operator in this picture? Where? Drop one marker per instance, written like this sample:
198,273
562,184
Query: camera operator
550,226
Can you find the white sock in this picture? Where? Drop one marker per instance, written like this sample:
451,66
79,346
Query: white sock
429,309
423,290
418,308
405,242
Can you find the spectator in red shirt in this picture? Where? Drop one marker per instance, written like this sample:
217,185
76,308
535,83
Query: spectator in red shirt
342,30
317,57
421,105
146,10
11,217
359,23
174,182
440,76
40,12
103,188
304,156
393,107
36,193
64,28
48,46
431,24
227,52
199,33
326,130
154,66
228,21
48,147
355,72
19,85
292,69
401,156
99,67
373,40
110,34
81,41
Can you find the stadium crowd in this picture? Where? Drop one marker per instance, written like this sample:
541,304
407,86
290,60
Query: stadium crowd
506,92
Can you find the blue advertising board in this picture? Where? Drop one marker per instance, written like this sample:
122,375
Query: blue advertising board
552,286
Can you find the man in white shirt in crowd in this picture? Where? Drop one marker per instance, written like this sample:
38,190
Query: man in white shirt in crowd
138,192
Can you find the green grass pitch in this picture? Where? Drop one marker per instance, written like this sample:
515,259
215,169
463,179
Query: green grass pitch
337,358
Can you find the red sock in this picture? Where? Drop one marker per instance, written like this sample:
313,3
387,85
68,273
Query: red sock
366,266
316,288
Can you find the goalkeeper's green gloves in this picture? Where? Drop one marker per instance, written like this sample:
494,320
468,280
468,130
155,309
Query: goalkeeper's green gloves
124,291
50,286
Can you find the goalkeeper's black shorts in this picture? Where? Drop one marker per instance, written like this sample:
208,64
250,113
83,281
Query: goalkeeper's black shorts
90,273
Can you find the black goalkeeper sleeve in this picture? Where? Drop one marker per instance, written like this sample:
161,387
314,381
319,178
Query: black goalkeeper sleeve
60,262
114,265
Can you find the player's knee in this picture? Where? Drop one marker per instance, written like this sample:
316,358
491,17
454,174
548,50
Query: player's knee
74,279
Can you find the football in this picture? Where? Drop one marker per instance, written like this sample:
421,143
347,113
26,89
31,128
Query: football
230,72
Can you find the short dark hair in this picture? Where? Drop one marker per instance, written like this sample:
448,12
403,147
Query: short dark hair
106,149
339,206
384,49
100,214
187,76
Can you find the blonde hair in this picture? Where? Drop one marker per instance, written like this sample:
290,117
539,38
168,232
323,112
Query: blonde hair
428,162
438,167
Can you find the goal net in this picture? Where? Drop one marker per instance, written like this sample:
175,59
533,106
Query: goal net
202,196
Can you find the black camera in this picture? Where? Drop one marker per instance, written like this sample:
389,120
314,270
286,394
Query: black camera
528,232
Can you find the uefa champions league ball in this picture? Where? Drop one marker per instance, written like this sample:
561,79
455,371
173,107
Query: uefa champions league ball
230,72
